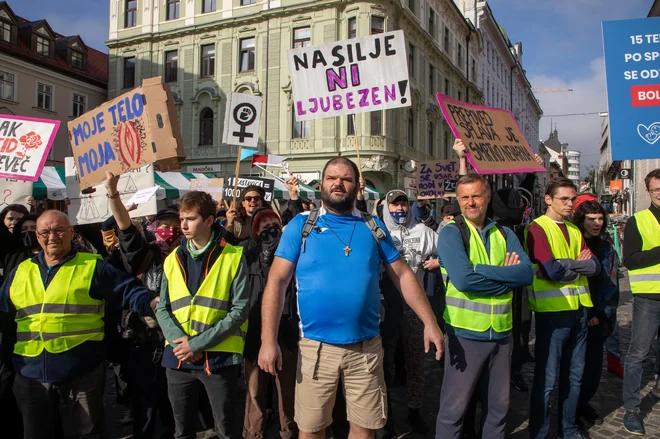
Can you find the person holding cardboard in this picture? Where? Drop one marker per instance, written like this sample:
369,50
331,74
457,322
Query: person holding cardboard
560,298
482,262
339,320
59,299
205,301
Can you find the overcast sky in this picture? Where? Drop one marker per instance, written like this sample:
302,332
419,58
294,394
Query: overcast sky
562,47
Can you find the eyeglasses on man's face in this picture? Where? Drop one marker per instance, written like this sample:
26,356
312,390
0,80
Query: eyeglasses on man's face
45,234
655,191
565,200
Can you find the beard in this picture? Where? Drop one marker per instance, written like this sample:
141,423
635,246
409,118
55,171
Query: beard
340,202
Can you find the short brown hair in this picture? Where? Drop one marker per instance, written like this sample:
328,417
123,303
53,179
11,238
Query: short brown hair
473,178
653,174
199,201
554,186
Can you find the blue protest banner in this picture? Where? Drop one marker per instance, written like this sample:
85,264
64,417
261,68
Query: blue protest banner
632,63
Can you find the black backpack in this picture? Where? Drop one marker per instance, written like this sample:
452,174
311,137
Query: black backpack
313,216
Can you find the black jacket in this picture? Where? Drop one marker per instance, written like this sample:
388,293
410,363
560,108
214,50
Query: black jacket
257,276
633,256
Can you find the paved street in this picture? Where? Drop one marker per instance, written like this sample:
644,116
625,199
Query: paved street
607,401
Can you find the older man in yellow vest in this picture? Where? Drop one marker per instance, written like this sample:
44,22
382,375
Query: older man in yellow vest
59,298
482,263
560,297
203,313
641,255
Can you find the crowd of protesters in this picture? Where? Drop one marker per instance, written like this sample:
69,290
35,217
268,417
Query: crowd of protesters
319,312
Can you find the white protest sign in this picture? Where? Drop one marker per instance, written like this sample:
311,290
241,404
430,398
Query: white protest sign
353,76
142,196
242,120
14,192
437,179
94,208
24,145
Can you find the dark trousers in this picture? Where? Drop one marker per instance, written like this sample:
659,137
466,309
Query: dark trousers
522,326
149,384
79,403
645,322
593,363
221,387
561,339
469,363
12,423
259,384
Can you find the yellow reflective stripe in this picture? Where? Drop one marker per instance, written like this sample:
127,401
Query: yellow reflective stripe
180,303
212,303
31,336
644,277
201,327
483,308
28,336
560,292
60,308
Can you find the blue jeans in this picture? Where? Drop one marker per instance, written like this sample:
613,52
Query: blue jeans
560,344
645,322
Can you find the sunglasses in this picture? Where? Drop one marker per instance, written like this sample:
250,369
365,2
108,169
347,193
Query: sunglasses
249,199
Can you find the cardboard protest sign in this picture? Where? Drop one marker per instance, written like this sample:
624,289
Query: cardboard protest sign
14,192
632,54
94,208
129,132
492,138
437,179
243,182
24,145
242,120
212,186
363,74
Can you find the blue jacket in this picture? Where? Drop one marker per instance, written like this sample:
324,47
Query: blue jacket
487,280
117,288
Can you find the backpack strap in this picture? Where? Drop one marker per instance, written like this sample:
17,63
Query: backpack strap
378,233
310,223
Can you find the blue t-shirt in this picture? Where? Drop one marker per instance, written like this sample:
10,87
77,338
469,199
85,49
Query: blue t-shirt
338,296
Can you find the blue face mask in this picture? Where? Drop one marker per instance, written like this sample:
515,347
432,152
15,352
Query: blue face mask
399,217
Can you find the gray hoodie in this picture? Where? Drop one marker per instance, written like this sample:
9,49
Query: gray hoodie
414,240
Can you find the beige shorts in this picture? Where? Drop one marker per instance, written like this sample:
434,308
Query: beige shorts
360,366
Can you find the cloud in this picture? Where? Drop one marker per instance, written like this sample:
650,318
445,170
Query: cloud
582,133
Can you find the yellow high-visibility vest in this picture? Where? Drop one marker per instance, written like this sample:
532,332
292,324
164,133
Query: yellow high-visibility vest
548,296
211,304
476,312
60,317
646,280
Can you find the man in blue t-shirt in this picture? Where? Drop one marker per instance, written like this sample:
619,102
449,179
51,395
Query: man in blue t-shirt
339,306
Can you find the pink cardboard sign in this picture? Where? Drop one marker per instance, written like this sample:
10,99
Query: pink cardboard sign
493,141
24,146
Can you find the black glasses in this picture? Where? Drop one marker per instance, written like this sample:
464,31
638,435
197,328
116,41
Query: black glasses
257,198
45,234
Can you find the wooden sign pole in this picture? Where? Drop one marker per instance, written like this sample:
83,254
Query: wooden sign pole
238,168
357,144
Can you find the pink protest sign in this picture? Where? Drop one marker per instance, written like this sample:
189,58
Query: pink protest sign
492,138
24,146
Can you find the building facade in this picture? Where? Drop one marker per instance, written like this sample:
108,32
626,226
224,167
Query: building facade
609,170
47,75
502,79
568,160
205,49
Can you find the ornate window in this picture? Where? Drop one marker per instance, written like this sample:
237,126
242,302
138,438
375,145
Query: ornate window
206,127
173,9
208,61
130,15
171,65
247,55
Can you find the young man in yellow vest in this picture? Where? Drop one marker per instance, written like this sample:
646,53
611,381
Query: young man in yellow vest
59,299
560,297
479,278
641,255
203,314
